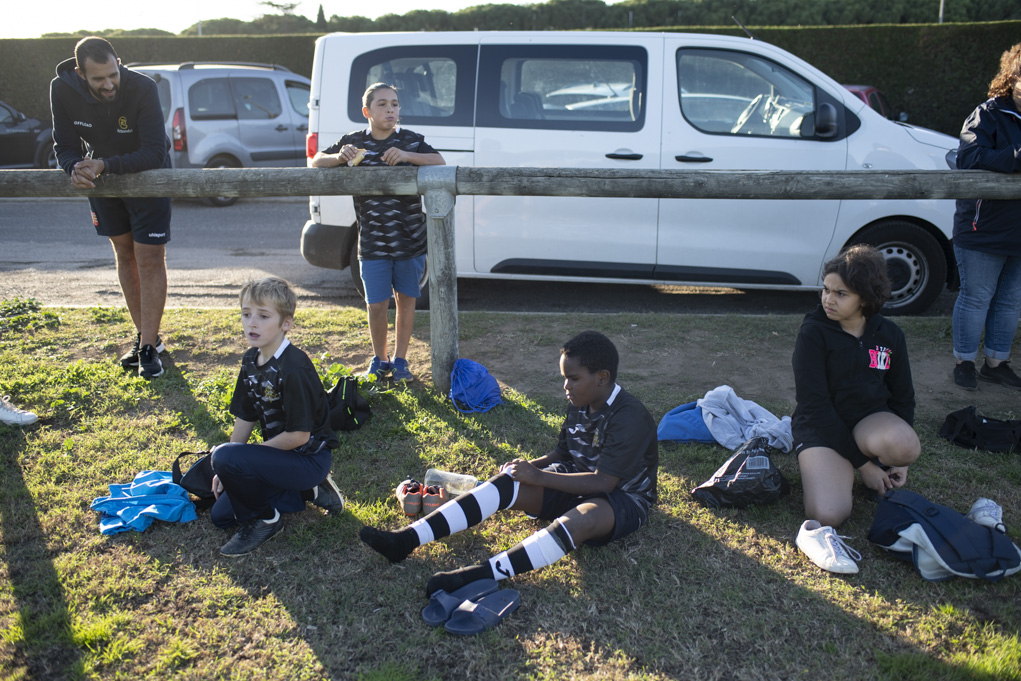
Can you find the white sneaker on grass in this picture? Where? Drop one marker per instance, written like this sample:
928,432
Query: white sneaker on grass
987,512
13,416
826,548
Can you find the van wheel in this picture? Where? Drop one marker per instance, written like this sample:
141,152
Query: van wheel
45,157
915,262
356,278
222,162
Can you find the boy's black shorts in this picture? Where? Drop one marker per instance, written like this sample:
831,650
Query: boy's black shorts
148,219
628,514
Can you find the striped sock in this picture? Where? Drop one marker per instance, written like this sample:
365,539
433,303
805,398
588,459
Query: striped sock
467,510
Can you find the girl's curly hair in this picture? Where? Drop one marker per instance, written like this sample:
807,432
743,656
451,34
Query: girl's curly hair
1010,72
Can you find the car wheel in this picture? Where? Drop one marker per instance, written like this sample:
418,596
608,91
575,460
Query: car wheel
915,262
222,162
356,278
45,157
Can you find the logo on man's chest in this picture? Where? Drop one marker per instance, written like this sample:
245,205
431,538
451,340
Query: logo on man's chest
122,125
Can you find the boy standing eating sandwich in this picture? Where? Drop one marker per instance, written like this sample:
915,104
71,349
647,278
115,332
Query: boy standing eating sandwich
391,229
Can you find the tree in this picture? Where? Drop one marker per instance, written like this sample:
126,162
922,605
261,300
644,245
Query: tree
321,20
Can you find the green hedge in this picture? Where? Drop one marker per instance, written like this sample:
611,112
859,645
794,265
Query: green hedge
938,74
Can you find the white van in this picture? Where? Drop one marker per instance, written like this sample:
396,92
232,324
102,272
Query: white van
635,100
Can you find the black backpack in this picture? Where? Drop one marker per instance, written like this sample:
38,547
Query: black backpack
349,410
198,479
967,428
939,541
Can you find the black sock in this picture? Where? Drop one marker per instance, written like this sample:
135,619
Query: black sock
396,546
455,579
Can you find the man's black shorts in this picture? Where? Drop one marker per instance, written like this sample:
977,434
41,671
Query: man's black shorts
148,219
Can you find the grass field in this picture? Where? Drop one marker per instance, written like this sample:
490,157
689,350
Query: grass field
696,594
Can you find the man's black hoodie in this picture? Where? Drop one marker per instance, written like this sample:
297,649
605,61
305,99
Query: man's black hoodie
127,134
840,379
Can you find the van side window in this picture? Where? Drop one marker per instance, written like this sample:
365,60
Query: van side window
298,94
562,87
210,99
734,93
434,83
256,98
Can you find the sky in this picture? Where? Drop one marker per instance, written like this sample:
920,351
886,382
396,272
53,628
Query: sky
28,20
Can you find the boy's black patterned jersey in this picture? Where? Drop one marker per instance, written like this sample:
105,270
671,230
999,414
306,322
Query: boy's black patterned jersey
284,395
619,440
390,227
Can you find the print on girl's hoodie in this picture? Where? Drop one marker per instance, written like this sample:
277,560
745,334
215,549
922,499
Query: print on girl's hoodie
879,358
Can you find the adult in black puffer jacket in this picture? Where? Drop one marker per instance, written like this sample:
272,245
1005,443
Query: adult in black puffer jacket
987,236
108,119
856,402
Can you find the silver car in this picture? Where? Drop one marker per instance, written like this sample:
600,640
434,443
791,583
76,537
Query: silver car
232,115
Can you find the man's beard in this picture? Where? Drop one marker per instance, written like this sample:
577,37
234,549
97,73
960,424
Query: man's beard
99,96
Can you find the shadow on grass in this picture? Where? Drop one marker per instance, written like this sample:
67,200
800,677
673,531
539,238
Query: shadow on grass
37,637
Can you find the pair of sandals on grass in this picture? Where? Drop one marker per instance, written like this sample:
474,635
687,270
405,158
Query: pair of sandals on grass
474,608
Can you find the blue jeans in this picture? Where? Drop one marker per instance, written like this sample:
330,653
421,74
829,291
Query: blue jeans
990,298
257,478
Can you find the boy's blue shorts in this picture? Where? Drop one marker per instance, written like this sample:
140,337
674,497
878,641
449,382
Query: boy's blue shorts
628,513
382,277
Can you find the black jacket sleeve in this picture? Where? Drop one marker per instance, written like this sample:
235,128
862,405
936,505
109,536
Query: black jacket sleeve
979,137
813,395
66,143
152,150
899,383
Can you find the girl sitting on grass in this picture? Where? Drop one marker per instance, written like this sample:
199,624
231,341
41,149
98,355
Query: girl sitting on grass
855,402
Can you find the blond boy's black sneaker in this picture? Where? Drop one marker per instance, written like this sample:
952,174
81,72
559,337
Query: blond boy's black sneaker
149,364
129,360
328,496
251,536
1001,373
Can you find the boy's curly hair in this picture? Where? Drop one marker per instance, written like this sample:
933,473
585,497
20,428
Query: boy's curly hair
863,269
270,291
1003,83
594,351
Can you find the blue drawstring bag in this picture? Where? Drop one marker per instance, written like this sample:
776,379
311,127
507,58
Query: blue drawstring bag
472,387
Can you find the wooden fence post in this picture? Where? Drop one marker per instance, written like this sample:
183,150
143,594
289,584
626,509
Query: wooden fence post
438,185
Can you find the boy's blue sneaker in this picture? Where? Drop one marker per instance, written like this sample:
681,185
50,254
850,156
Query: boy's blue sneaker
379,368
401,372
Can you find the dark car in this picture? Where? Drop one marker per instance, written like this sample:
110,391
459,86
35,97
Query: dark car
875,98
24,142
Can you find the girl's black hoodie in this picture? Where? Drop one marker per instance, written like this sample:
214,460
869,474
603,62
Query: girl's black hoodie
128,133
841,379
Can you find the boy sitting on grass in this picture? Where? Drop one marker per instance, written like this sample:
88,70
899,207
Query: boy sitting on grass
596,486
278,387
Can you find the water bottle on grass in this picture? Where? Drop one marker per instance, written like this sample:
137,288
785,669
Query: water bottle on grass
456,484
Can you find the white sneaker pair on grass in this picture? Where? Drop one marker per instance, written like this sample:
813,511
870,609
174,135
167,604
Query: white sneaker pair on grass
987,512
826,548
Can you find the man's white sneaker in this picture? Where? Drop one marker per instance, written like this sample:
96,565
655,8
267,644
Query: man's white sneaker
826,548
987,512
13,416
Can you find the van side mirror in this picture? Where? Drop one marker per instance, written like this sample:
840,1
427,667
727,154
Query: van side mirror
19,117
902,117
826,120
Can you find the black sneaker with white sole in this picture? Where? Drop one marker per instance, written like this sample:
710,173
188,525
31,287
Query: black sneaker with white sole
328,496
251,536
149,364
129,360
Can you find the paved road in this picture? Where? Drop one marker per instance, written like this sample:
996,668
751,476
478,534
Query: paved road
50,252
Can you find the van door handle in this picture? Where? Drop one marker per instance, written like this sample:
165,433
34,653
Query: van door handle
281,128
302,128
625,157
684,158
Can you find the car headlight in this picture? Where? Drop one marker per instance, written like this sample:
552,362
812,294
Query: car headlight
951,158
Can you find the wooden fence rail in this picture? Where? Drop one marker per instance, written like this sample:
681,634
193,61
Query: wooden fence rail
442,184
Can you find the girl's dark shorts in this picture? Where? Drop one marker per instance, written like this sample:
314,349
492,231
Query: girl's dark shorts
629,514
807,438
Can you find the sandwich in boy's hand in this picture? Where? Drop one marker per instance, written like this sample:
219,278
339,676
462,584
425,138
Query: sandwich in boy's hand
358,157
